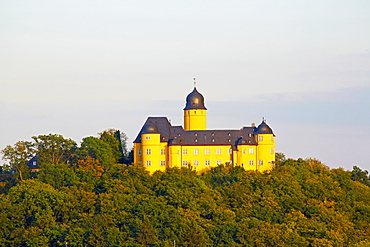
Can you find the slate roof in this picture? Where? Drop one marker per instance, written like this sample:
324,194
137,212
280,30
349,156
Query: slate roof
195,100
33,163
176,135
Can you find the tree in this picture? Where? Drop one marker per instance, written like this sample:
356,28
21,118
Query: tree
54,148
97,149
18,155
359,175
117,140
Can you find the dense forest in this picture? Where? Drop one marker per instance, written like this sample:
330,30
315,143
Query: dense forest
90,195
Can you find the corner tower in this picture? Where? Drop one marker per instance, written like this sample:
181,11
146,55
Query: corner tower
195,113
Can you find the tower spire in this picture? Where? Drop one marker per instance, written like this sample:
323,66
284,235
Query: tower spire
195,83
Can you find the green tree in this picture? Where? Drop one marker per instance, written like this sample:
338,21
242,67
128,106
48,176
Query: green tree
359,175
54,148
99,150
18,155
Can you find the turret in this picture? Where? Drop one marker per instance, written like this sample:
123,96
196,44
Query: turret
150,143
265,138
195,113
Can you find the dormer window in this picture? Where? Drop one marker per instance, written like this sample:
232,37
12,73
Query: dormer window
229,134
179,134
196,140
213,140
196,134
213,134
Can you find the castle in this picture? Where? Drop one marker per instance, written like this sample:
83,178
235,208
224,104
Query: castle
159,145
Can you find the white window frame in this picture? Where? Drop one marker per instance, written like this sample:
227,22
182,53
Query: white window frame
162,163
260,138
251,150
196,151
251,162
148,163
207,151
163,151
196,163
207,162
185,151
218,151
148,151
139,151
260,162
184,163
218,162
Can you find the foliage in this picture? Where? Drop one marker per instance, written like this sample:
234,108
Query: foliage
88,199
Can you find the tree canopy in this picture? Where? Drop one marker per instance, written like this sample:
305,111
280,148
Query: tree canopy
87,198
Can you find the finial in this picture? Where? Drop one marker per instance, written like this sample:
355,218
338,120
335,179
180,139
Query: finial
263,119
195,83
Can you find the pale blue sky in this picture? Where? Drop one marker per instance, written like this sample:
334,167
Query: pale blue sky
79,67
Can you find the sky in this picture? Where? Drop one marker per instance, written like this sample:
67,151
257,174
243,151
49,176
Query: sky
79,67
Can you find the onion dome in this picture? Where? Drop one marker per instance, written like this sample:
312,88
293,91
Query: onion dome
150,128
195,100
263,128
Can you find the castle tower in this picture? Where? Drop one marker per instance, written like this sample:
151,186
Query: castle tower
195,113
266,146
150,146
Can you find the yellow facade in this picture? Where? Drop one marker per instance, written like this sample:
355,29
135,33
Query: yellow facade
160,145
195,119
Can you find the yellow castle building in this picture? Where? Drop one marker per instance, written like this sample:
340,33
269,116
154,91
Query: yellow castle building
159,145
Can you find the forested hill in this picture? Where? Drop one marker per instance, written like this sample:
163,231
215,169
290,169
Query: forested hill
299,203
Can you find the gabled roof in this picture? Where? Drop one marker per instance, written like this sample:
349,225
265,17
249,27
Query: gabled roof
176,135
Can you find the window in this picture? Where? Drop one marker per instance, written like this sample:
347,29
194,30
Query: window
218,162
148,163
196,151
251,162
213,140
196,140
195,163
206,151
260,138
34,163
260,162
244,151
218,150
196,134
250,135
184,151
148,151
139,151
251,150
184,163
163,163
207,163
147,138
163,151
230,151
272,151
